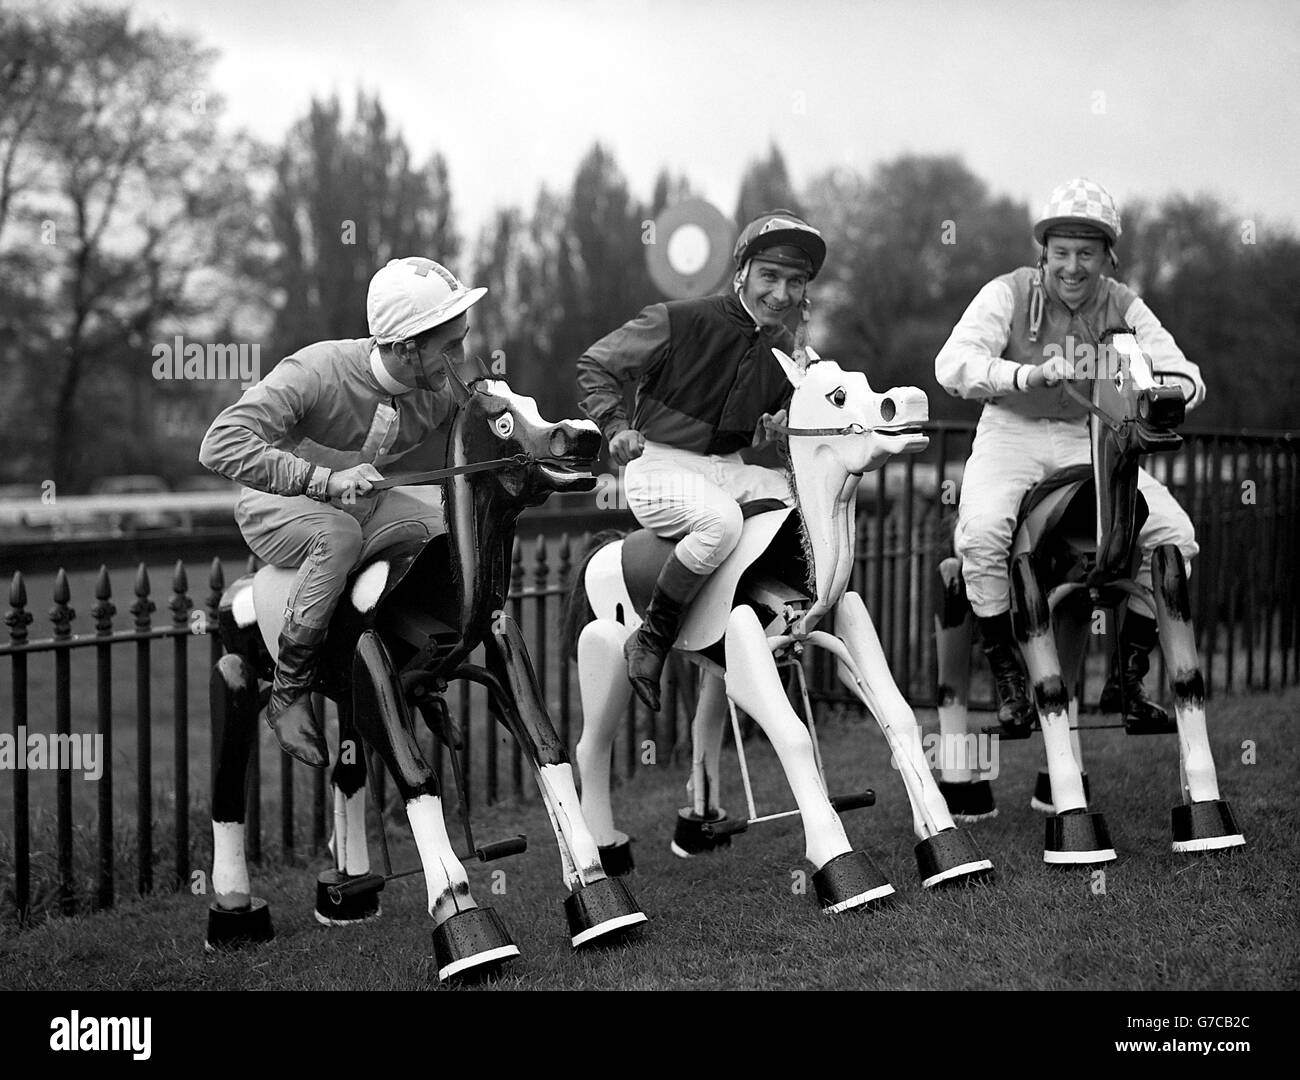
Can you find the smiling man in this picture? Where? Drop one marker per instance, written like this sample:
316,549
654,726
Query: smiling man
1016,343
707,385
308,443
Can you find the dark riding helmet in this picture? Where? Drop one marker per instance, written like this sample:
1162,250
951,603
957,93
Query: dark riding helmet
781,237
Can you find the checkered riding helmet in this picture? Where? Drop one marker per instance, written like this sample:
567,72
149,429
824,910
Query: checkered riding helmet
410,296
1079,208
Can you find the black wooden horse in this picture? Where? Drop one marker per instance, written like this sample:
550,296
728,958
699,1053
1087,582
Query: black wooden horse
406,626
1075,549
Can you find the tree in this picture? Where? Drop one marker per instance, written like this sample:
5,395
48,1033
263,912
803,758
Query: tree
907,252
765,186
346,200
110,159
1229,291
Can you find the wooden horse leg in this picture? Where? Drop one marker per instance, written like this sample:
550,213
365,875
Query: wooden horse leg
945,855
845,878
1072,625
707,728
1075,835
466,937
351,854
605,693
1204,822
967,792
235,917
597,905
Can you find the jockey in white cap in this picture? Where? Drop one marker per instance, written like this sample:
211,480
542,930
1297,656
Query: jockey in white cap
308,442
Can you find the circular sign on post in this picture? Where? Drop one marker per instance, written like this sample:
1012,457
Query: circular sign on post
691,250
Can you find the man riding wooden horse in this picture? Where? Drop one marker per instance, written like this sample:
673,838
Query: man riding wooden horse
1023,339
710,391
775,596
308,442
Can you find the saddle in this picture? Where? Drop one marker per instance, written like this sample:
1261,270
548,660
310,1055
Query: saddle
1057,520
766,568
410,600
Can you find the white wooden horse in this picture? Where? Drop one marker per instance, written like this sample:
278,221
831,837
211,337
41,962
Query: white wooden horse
790,569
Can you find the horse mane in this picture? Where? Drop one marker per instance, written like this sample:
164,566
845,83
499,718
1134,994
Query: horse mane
805,541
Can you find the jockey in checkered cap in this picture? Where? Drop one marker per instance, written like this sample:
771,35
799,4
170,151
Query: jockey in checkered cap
1012,350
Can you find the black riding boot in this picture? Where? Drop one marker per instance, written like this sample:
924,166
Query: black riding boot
645,650
1123,692
289,712
1016,713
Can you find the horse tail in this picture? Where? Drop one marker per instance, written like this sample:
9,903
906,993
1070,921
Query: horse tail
577,608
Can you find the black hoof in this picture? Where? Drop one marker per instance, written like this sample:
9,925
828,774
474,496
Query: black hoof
691,837
1077,838
616,859
342,900
1205,826
950,858
849,881
969,800
1042,798
241,927
471,944
600,909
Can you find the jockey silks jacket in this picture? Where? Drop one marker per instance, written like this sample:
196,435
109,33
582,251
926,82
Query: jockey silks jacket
329,406
704,371
992,340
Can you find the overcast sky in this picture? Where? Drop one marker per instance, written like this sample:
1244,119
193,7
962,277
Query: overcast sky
1147,97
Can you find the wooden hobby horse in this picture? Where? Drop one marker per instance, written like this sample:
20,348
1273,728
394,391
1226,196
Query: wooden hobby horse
1075,549
789,571
405,627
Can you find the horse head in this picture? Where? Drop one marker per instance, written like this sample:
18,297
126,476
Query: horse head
839,429
532,459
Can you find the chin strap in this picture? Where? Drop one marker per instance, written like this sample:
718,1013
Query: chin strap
1036,302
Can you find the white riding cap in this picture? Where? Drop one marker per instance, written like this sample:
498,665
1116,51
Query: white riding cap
410,296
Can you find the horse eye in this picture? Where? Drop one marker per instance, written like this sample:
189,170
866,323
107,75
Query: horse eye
504,425
837,397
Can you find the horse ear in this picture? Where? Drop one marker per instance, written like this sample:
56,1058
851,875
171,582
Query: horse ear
811,353
459,390
791,369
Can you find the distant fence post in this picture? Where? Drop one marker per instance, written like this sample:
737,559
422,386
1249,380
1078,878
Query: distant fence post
18,618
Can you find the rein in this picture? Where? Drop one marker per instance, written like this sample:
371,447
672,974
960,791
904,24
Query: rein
850,429
434,475
1110,422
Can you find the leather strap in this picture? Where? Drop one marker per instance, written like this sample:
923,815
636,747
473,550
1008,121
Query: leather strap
435,475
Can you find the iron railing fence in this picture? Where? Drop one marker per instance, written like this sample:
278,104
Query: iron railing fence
1241,490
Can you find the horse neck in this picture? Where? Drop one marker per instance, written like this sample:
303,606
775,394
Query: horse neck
480,538
827,497
1115,469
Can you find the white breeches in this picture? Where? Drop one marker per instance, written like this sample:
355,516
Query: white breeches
1012,453
697,497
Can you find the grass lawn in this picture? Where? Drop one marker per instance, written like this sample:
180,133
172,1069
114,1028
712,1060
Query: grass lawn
736,920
